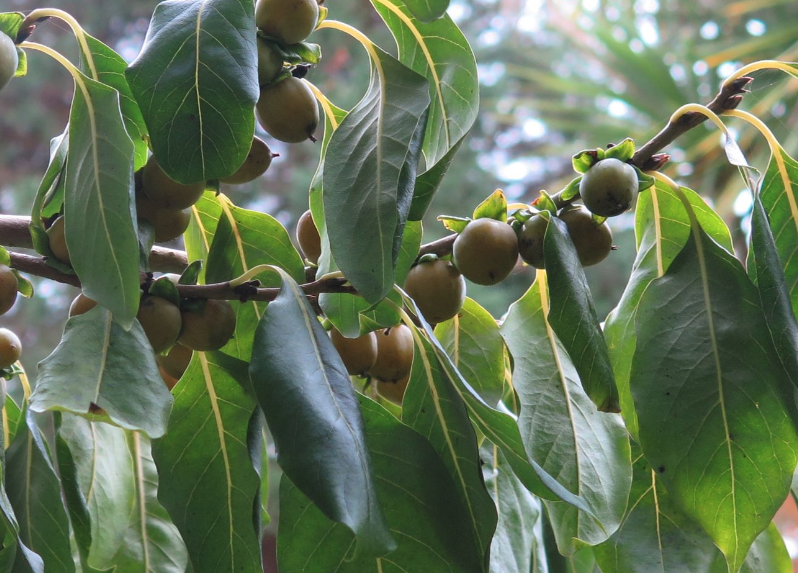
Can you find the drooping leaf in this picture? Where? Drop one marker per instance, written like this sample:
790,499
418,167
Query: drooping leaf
573,317
706,384
196,83
369,174
473,340
100,227
428,519
310,406
586,450
100,364
207,481
12,419
53,178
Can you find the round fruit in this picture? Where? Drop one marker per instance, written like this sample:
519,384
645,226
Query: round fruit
255,165
394,354
530,241
609,187
10,348
165,192
176,361
270,63
160,320
170,381
57,240
9,60
486,251
8,288
288,111
358,354
168,224
438,289
209,328
393,391
289,21
81,304
307,235
593,242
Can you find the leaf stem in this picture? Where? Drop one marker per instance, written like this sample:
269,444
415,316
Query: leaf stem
788,67
80,34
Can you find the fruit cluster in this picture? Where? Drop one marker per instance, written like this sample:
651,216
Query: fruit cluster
10,346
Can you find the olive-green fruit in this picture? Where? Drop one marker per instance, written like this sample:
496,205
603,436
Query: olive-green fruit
210,327
288,110
394,354
165,192
358,354
9,59
10,348
175,362
270,63
289,21
486,251
81,304
169,380
168,224
593,242
58,246
393,391
609,187
530,241
255,165
160,320
307,235
438,289
8,288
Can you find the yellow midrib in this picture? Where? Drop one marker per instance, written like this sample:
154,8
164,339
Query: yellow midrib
225,203
142,500
104,356
196,80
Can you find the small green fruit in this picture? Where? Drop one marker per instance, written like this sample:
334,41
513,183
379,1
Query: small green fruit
307,235
9,60
394,354
168,224
255,165
530,241
81,304
593,242
165,192
160,320
289,21
10,348
393,391
210,327
58,241
486,251
175,362
288,110
358,354
609,187
8,288
438,289
270,63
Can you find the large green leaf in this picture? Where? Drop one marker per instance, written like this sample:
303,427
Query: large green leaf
52,180
100,364
473,340
99,209
573,317
304,391
35,494
439,51
706,382
207,480
586,450
196,83
662,228
205,215
422,509
369,174
433,407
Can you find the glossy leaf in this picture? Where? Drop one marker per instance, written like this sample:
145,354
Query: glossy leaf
52,179
205,215
196,83
99,364
99,223
433,407
473,340
706,384
207,480
12,418
369,174
422,509
305,392
574,320
585,450
10,23
493,207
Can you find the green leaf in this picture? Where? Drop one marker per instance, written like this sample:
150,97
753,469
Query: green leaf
623,151
421,507
473,340
439,51
494,207
303,389
205,215
572,189
433,407
369,173
454,224
10,22
35,494
99,364
208,483
50,193
585,159
587,450
24,286
99,209
303,52
662,228
573,317
427,10
196,82
11,419
706,384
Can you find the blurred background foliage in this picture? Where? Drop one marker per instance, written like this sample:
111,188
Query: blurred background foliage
556,77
